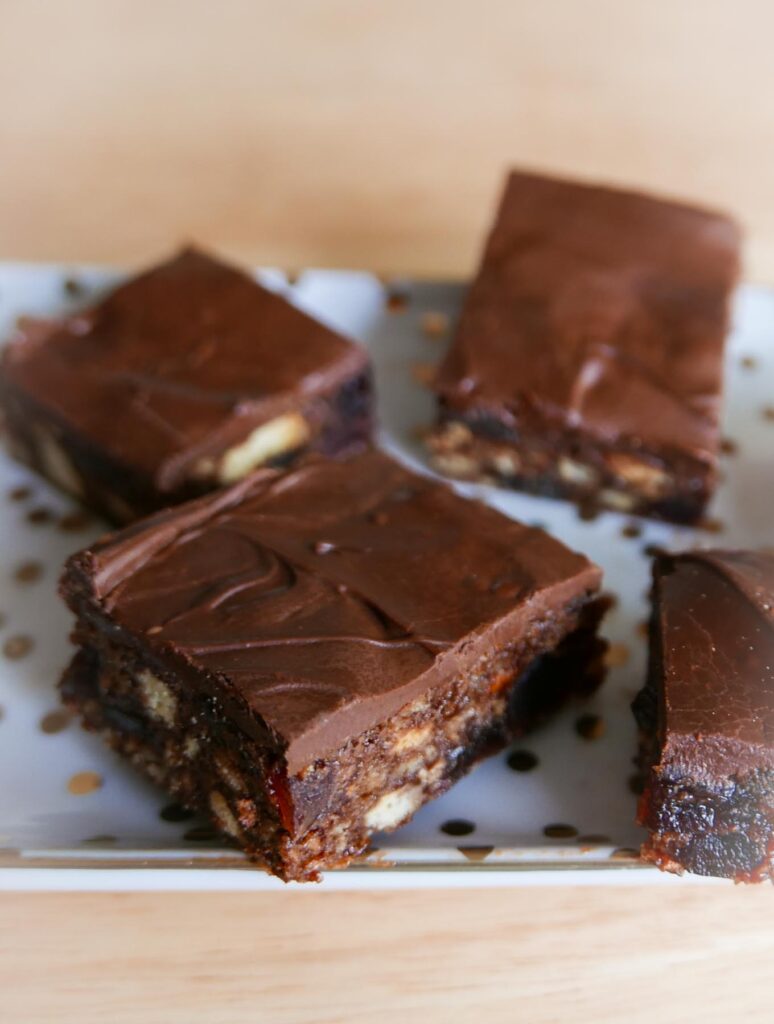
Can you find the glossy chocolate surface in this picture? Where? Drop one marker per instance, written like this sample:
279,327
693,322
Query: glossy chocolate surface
600,311
177,364
714,625
327,598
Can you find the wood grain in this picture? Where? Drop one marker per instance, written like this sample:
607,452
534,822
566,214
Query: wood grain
371,134
539,955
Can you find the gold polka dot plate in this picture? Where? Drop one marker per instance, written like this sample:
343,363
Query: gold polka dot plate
558,806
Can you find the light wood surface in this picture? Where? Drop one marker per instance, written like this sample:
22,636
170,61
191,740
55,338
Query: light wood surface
370,134
374,135
677,955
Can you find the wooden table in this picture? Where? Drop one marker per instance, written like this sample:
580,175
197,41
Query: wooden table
374,135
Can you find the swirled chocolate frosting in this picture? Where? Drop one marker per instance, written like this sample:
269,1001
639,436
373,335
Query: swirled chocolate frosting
177,363
325,599
601,311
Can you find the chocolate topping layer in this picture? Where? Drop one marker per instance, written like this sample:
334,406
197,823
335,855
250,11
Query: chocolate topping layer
178,363
603,310
715,621
327,598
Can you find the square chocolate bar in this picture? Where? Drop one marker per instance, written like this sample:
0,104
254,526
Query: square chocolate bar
182,380
706,716
309,657
588,358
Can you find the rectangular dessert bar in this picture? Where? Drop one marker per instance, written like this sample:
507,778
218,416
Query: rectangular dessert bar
181,380
706,716
309,657
587,361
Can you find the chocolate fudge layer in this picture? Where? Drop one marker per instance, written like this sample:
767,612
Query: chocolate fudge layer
183,379
587,362
706,716
310,657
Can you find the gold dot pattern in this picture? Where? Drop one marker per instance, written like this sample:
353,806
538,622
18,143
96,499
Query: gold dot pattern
423,373
396,301
200,834
55,721
435,325
40,516
617,655
84,782
521,761
560,831
625,853
426,326
18,646
73,287
590,727
28,572
476,854
458,827
74,522
712,525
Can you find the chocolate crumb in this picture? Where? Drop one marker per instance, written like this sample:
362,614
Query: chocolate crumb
17,646
748,362
728,446
175,812
560,831
19,493
768,412
590,727
643,628
458,827
631,530
521,761
28,572
712,525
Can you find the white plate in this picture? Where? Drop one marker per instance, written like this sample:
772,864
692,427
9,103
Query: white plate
51,837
